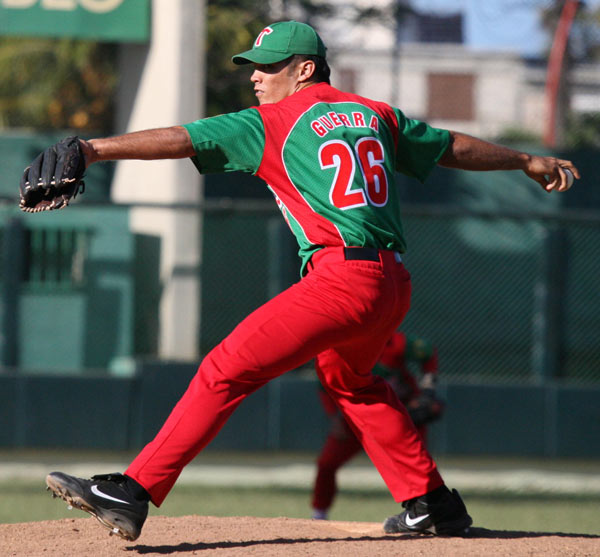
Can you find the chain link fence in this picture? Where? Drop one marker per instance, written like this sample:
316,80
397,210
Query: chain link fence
506,297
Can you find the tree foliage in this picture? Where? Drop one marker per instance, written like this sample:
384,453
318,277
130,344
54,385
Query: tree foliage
50,83
65,83
231,28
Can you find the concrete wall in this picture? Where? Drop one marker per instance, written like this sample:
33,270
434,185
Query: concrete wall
163,85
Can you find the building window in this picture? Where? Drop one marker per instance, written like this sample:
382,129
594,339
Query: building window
451,96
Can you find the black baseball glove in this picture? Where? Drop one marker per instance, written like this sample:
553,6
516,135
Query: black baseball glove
425,408
54,177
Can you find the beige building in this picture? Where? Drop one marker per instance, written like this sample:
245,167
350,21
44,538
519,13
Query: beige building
421,64
480,92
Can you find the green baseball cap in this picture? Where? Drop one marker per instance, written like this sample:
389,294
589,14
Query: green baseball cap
279,41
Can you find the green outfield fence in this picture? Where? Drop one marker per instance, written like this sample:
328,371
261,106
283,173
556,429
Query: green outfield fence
506,296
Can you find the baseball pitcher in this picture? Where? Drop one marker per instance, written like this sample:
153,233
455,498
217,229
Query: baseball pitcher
329,158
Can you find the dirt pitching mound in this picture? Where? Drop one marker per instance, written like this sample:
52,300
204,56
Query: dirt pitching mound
208,536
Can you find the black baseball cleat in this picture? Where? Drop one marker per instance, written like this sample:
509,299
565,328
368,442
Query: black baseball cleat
440,512
118,502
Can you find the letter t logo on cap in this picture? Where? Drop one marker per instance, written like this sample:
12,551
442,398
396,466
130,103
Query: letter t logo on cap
265,31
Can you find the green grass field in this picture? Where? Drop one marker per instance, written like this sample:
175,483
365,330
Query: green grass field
26,501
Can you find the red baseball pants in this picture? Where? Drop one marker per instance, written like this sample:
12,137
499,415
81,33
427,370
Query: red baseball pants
342,312
340,446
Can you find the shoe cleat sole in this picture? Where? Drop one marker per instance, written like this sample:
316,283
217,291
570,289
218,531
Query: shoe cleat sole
75,501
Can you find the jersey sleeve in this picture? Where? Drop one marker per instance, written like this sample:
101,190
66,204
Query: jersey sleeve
228,142
420,146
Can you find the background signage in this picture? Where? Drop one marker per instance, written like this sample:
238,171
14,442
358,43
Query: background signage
109,20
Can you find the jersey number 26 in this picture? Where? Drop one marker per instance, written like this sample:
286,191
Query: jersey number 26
369,154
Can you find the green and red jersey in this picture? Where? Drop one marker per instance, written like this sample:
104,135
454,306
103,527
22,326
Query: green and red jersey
329,158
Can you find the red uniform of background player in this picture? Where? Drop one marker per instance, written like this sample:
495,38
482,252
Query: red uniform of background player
341,444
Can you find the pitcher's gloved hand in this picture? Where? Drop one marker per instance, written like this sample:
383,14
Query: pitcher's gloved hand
54,177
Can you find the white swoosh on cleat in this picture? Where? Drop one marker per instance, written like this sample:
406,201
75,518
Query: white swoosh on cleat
98,493
414,521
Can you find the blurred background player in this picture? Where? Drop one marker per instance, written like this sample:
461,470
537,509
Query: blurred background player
400,353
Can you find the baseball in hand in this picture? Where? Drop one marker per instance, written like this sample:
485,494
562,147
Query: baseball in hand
570,177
